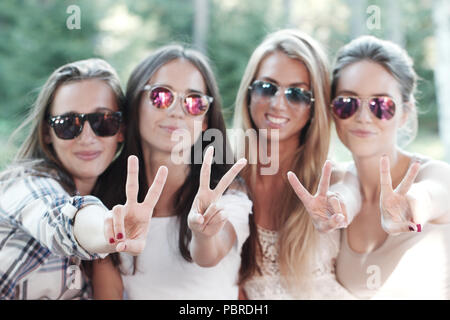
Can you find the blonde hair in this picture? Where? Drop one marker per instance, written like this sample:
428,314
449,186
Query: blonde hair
297,235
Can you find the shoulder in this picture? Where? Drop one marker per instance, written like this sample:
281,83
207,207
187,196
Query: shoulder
342,170
434,169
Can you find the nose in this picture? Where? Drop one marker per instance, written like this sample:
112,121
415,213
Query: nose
87,135
363,114
279,101
177,109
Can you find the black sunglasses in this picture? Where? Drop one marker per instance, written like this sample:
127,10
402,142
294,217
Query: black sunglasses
294,95
69,126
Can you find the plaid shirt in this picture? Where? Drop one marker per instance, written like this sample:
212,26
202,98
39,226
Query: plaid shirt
39,255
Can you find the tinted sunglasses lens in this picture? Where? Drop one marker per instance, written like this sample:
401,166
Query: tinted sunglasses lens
104,124
345,107
196,104
382,107
264,89
298,96
161,98
67,127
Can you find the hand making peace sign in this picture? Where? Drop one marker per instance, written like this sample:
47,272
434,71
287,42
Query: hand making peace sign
128,224
326,208
206,217
396,213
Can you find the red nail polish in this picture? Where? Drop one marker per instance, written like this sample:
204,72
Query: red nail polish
411,229
119,236
111,240
419,227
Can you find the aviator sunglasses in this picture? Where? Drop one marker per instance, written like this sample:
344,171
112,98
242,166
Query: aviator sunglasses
294,95
382,107
194,104
69,126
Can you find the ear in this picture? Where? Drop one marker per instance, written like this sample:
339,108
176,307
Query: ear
406,110
121,136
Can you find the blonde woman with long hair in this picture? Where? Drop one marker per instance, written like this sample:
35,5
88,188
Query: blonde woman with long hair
284,96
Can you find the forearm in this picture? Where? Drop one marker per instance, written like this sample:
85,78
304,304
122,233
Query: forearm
89,229
428,200
106,280
209,251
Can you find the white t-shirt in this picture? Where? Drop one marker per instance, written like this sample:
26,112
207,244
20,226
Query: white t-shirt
162,273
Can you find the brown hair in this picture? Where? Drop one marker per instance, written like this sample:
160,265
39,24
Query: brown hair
392,58
186,193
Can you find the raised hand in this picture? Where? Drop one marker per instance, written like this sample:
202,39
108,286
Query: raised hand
326,208
206,218
396,212
128,225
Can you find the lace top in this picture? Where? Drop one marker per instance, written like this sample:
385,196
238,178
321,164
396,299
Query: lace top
268,286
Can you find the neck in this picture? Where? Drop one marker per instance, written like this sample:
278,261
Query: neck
85,186
368,169
177,174
280,159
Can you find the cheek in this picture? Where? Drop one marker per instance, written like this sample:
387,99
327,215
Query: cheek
301,116
195,127
256,112
62,149
147,119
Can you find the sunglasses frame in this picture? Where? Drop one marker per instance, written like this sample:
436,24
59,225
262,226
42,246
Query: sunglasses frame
177,95
285,91
361,104
83,117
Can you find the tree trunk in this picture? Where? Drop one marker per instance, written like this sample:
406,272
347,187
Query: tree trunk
441,20
201,23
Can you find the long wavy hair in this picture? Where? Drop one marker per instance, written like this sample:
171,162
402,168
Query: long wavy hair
34,154
297,235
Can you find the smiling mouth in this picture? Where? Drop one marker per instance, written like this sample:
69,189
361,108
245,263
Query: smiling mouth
170,128
361,133
87,156
276,120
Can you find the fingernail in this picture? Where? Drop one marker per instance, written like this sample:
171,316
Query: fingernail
419,227
411,229
119,236
111,240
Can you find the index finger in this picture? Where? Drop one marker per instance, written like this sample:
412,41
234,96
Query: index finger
385,175
132,184
409,178
205,171
228,178
299,189
324,182
154,192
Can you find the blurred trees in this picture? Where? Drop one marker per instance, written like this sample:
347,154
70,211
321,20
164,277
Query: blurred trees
34,39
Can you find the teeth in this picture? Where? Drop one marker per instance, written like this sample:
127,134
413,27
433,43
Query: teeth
276,120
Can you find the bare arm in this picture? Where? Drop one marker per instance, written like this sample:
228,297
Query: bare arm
430,193
212,234
106,280
209,251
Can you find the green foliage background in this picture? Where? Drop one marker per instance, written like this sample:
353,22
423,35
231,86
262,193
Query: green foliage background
34,40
